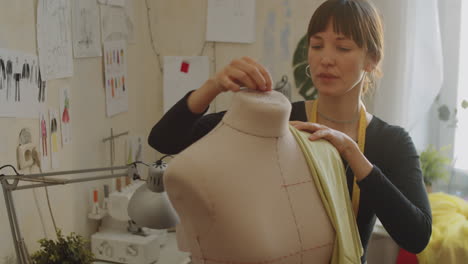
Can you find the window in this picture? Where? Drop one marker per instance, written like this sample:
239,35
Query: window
461,132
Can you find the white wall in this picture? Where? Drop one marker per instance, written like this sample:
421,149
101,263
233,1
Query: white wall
178,28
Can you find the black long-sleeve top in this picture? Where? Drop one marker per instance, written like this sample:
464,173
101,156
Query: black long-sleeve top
393,191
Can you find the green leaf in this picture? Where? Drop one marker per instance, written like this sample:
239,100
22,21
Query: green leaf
72,249
444,113
464,104
303,82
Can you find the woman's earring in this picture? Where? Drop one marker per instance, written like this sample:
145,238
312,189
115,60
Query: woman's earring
307,70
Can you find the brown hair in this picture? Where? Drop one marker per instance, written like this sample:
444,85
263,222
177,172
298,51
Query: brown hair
357,20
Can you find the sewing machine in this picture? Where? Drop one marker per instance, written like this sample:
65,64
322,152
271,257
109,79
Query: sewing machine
118,239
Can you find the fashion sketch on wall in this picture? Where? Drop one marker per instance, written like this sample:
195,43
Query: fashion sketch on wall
54,38
115,66
22,89
117,22
54,138
86,29
65,115
44,139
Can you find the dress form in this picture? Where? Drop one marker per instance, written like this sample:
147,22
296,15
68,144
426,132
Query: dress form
244,193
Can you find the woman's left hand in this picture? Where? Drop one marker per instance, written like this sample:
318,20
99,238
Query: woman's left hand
345,145
342,142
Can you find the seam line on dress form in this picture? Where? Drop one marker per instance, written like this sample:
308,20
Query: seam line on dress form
268,261
289,200
197,236
248,133
293,184
200,249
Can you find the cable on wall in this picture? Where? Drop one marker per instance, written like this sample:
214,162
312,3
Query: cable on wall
39,165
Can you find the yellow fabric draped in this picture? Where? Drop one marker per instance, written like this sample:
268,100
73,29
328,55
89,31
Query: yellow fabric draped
449,240
327,171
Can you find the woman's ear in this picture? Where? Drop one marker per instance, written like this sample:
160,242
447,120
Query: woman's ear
370,64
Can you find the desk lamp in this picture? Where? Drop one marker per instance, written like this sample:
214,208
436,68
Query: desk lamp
149,206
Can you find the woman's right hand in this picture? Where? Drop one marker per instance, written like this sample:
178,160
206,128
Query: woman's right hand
242,72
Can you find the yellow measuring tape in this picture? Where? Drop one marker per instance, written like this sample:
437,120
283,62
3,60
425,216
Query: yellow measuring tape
361,143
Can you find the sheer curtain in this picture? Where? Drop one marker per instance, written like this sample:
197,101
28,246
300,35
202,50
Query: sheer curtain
413,64
451,17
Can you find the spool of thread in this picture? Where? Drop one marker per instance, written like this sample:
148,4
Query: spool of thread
95,202
95,196
105,204
106,191
118,184
127,181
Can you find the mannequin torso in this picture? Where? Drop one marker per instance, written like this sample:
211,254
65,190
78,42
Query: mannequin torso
244,191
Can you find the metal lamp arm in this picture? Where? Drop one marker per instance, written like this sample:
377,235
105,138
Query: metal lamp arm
8,188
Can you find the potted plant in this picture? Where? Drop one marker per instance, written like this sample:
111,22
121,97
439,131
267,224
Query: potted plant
72,249
434,165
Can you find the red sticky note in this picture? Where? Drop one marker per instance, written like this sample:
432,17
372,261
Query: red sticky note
184,67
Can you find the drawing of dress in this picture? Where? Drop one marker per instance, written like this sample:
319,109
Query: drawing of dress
41,85
65,114
17,78
44,137
54,142
2,73
53,135
9,72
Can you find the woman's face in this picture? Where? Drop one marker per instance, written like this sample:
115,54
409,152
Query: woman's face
337,63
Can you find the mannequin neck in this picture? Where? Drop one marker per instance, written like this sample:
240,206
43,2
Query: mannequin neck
263,114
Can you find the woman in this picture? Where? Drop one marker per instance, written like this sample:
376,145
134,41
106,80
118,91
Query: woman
382,166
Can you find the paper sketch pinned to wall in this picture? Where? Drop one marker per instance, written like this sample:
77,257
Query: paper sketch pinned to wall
65,115
117,22
54,38
182,74
115,65
44,139
54,138
134,149
86,29
231,21
22,90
